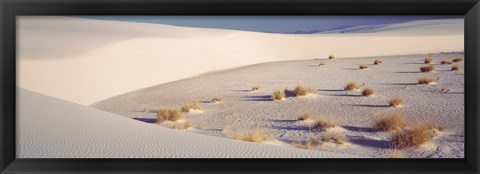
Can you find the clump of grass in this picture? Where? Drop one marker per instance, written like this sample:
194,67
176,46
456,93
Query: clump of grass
428,68
324,124
278,95
351,86
255,88
428,60
390,123
395,102
368,91
335,138
191,106
255,135
304,117
187,125
321,64
304,145
427,80
396,154
377,62
431,125
217,99
331,57
411,138
460,59
364,66
446,62
455,68
302,91
168,115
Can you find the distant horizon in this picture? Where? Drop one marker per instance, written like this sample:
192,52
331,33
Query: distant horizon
272,24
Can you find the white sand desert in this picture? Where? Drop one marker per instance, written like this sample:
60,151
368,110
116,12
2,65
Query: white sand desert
131,70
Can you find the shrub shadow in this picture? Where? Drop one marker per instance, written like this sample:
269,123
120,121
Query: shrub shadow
381,144
360,129
146,120
259,98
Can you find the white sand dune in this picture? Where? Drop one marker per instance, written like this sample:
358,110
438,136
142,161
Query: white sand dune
85,60
53,128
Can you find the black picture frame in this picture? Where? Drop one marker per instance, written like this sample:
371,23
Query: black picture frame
11,8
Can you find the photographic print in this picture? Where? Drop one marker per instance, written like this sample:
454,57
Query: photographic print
240,87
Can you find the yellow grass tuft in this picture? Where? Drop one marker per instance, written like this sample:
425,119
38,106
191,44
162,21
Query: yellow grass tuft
335,138
321,64
168,115
304,145
302,91
455,68
331,57
364,66
429,60
323,124
411,138
368,91
390,123
428,68
256,136
187,125
255,88
377,62
217,99
460,59
446,62
396,154
427,80
304,117
395,102
192,105
278,95
351,86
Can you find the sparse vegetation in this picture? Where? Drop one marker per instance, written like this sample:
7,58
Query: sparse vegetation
187,125
430,125
168,115
331,57
429,60
460,59
427,80
278,95
304,145
323,124
395,102
255,88
191,106
321,64
302,91
428,68
255,135
304,117
445,90
455,68
335,138
217,99
446,62
390,123
364,66
411,138
368,91
377,62
351,86
396,154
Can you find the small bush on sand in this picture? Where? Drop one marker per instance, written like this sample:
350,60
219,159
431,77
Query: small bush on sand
191,106
351,86
460,59
427,80
255,135
304,145
428,60
430,125
395,102
368,91
217,99
364,66
321,64
331,57
323,124
168,115
302,91
187,125
428,68
255,88
390,123
304,117
278,95
446,62
411,138
335,138
455,68
377,62
396,154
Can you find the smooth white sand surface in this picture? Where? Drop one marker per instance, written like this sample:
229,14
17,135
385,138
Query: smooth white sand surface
86,60
53,128
244,109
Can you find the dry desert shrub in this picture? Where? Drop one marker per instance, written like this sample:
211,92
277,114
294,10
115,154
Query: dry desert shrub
428,68
396,154
430,125
446,62
255,135
304,145
364,66
351,86
191,105
303,91
368,91
187,125
427,80
255,88
321,64
411,138
428,60
335,138
455,68
460,59
304,117
168,115
377,62
331,57
323,124
395,102
278,95
217,99
390,123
